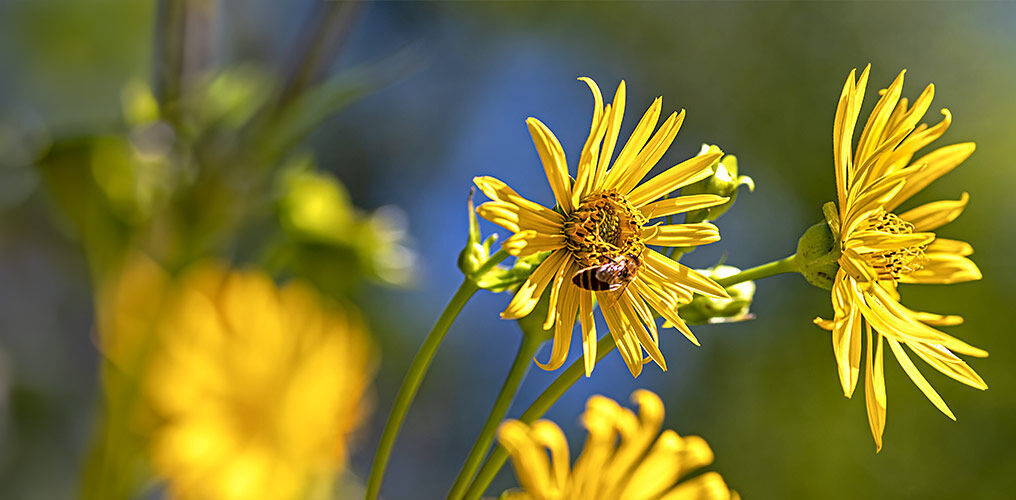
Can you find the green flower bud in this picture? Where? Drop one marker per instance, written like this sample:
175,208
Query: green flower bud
704,309
818,251
475,253
723,182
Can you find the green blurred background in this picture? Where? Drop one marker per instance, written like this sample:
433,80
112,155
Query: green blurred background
759,79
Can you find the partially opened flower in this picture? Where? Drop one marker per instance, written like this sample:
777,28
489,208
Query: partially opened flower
257,388
600,231
880,249
625,456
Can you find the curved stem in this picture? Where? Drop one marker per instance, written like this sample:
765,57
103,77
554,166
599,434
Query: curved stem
787,265
411,383
417,369
523,360
536,410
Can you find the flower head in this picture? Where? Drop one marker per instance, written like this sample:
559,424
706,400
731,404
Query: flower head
625,456
881,249
599,234
257,387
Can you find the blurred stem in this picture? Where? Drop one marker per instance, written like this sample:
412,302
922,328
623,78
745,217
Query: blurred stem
170,28
536,410
787,265
334,19
523,359
417,370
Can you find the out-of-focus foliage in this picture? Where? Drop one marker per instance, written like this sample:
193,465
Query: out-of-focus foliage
210,161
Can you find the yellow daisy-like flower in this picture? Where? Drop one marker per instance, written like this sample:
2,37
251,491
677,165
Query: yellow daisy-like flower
600,231
625,456
881,249
257,387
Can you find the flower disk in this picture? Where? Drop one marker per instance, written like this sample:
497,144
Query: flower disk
257,387
881,249
625,456
601,227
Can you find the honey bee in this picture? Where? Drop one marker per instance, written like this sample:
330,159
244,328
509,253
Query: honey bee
611,276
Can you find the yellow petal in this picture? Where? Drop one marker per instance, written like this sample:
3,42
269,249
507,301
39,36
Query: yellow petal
499,191
948,364
708,486
549,435
877,241
590,151
515,219
624,339
843,130
663,306
939,162
917,378
681,204
529,293
554,162
921,137
564,325
875,405
947,246
936,214
943,268
526,243
689,171
635,143
651,154
610,138
681,235
530,462
556,286
874,131
937,319
684,276
638,325
588,330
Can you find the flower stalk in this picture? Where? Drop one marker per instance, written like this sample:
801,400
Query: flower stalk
523,359
547,398
417,370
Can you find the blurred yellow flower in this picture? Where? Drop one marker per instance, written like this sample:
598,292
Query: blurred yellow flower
625,456
599,231
257,388
881,249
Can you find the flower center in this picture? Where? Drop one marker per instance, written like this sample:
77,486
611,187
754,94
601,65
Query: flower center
893,264
604,227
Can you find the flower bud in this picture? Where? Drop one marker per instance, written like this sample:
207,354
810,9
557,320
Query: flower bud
723,182
704,309
817,253
475,253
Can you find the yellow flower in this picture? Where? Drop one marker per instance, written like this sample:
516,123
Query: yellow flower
625,456
601,225
257,388
881,249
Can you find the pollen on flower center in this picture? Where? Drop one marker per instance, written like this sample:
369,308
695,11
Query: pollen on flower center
604,226
895,263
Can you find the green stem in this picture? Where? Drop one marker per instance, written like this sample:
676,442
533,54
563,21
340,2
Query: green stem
417,370
536,410
787,265
523,359
170,29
